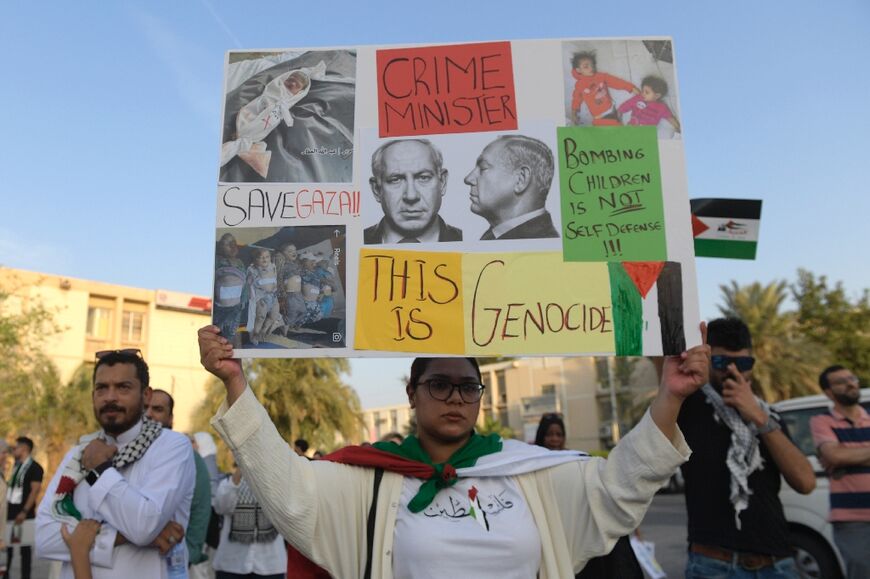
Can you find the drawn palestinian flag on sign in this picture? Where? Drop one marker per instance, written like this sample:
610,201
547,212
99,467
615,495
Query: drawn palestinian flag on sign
726,227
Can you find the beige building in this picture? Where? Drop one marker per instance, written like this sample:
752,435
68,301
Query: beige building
385,419
94,316
518,392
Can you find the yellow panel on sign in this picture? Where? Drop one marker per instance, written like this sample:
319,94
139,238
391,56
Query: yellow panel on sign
409,301
522,303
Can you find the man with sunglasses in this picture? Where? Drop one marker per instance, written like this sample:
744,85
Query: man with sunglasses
842,439
133,476
736,523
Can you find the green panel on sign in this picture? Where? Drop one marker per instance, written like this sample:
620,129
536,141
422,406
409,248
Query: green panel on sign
611,194
627,312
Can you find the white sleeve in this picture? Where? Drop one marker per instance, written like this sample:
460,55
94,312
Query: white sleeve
320,507
141,513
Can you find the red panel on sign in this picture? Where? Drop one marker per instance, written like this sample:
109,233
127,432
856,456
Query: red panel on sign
461,88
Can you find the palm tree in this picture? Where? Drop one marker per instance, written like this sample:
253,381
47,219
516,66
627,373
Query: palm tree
63,413
786,361
54,414
305,398
494,426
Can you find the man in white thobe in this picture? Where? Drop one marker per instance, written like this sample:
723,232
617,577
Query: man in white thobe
142,500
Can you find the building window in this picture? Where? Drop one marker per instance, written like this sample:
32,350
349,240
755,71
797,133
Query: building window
487,392
132,324
548,390
99,323
394,420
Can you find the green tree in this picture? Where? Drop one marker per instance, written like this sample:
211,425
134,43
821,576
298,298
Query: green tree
494,426
827,315
24,323
61,413
33,400
787,362
305,398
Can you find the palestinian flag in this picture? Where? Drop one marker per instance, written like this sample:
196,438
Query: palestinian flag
726,227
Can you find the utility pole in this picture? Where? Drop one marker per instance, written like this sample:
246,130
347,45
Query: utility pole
614,408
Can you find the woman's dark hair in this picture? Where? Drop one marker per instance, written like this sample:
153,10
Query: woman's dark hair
548,420
419,365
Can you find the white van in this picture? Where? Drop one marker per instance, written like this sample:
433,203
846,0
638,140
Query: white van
807,515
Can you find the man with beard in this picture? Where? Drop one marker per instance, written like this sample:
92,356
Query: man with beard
408,181
842,438
133,476
160,408
736,523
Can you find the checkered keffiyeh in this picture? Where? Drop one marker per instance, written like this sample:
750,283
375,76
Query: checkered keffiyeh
249,524
63,508
744,456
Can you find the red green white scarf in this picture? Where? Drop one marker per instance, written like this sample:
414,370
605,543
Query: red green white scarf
481,456
62,507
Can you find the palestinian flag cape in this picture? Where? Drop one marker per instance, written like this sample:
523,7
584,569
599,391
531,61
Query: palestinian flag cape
726,227
483,456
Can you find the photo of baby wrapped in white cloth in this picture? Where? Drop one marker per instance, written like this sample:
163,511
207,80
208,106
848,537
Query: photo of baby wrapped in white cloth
289,117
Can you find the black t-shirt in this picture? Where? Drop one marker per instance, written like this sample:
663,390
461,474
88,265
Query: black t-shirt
708,489
34,474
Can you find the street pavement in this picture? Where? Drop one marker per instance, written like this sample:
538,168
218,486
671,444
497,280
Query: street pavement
39,569
664,525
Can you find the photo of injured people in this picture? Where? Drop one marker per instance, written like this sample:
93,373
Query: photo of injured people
289,117
281,287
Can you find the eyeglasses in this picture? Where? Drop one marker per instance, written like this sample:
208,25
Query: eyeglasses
743,363
442,390
845,380
125,352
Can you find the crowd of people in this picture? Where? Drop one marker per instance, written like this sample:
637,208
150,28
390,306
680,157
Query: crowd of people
137,499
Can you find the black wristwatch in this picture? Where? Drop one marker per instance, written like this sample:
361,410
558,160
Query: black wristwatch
95,472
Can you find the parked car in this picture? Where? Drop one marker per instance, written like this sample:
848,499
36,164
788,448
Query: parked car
807,515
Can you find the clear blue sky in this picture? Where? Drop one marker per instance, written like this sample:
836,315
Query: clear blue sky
111,117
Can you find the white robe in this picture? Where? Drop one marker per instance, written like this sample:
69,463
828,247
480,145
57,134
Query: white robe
137,501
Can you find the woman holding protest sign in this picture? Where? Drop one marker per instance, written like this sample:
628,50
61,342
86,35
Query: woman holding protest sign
449,501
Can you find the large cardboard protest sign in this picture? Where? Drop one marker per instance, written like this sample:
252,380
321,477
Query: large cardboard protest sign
515,197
